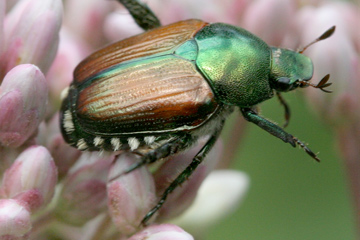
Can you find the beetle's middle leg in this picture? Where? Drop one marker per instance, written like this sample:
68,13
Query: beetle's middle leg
184,175
171,147
141,13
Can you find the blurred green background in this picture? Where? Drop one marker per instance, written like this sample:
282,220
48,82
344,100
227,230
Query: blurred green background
291,196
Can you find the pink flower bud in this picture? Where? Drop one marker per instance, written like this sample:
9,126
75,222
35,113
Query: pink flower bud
32,33
162,232
87,17
83,195
269,19
131,195
15,222
183,196
338,56
23,98
64,155
228,11
219,195
120,25
2,14
69,54
31,179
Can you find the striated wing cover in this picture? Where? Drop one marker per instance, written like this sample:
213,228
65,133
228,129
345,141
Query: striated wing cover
155,41
155,94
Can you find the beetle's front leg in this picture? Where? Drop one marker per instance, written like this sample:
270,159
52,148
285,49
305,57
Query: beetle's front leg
141,13
250,115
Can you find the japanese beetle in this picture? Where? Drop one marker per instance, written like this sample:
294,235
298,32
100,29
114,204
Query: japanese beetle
160,91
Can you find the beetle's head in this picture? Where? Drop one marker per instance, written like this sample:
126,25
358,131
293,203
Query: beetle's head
289,69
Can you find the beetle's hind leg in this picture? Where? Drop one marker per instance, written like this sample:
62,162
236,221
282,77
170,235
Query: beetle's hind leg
200,156
141,13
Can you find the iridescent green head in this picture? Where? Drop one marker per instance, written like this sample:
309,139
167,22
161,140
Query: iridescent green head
289,69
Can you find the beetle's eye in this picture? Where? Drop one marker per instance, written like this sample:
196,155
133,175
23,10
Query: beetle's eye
283,84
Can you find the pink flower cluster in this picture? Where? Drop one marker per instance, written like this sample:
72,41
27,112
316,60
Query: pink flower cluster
52,191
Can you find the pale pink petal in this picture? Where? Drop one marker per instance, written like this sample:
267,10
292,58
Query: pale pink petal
23,100
14,220
162,232
32,37
131,195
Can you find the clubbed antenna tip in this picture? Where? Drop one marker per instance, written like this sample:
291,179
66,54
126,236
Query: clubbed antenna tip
321,85
323,36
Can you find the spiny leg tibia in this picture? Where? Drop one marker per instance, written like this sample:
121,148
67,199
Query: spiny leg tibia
250,115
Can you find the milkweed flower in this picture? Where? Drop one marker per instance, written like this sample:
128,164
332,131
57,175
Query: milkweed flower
88,194
31,34
15,222
130,196
341,108
270,19
23,99
162,232
31,179
29,38
209,208
83,194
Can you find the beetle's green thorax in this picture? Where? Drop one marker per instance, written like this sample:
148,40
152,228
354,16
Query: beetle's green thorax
236,63
288,68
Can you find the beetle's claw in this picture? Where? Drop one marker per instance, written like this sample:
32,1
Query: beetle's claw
307,150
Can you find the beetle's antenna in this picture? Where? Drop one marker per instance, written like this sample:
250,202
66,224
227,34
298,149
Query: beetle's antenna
323,36
321,85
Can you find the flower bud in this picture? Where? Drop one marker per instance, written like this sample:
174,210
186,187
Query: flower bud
31,179
86,18
219,195
120,25
84,190
15,222
23,98
269,19
71,51
338,56
228,11
32,33
2,14
64,155
162,232
130,195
